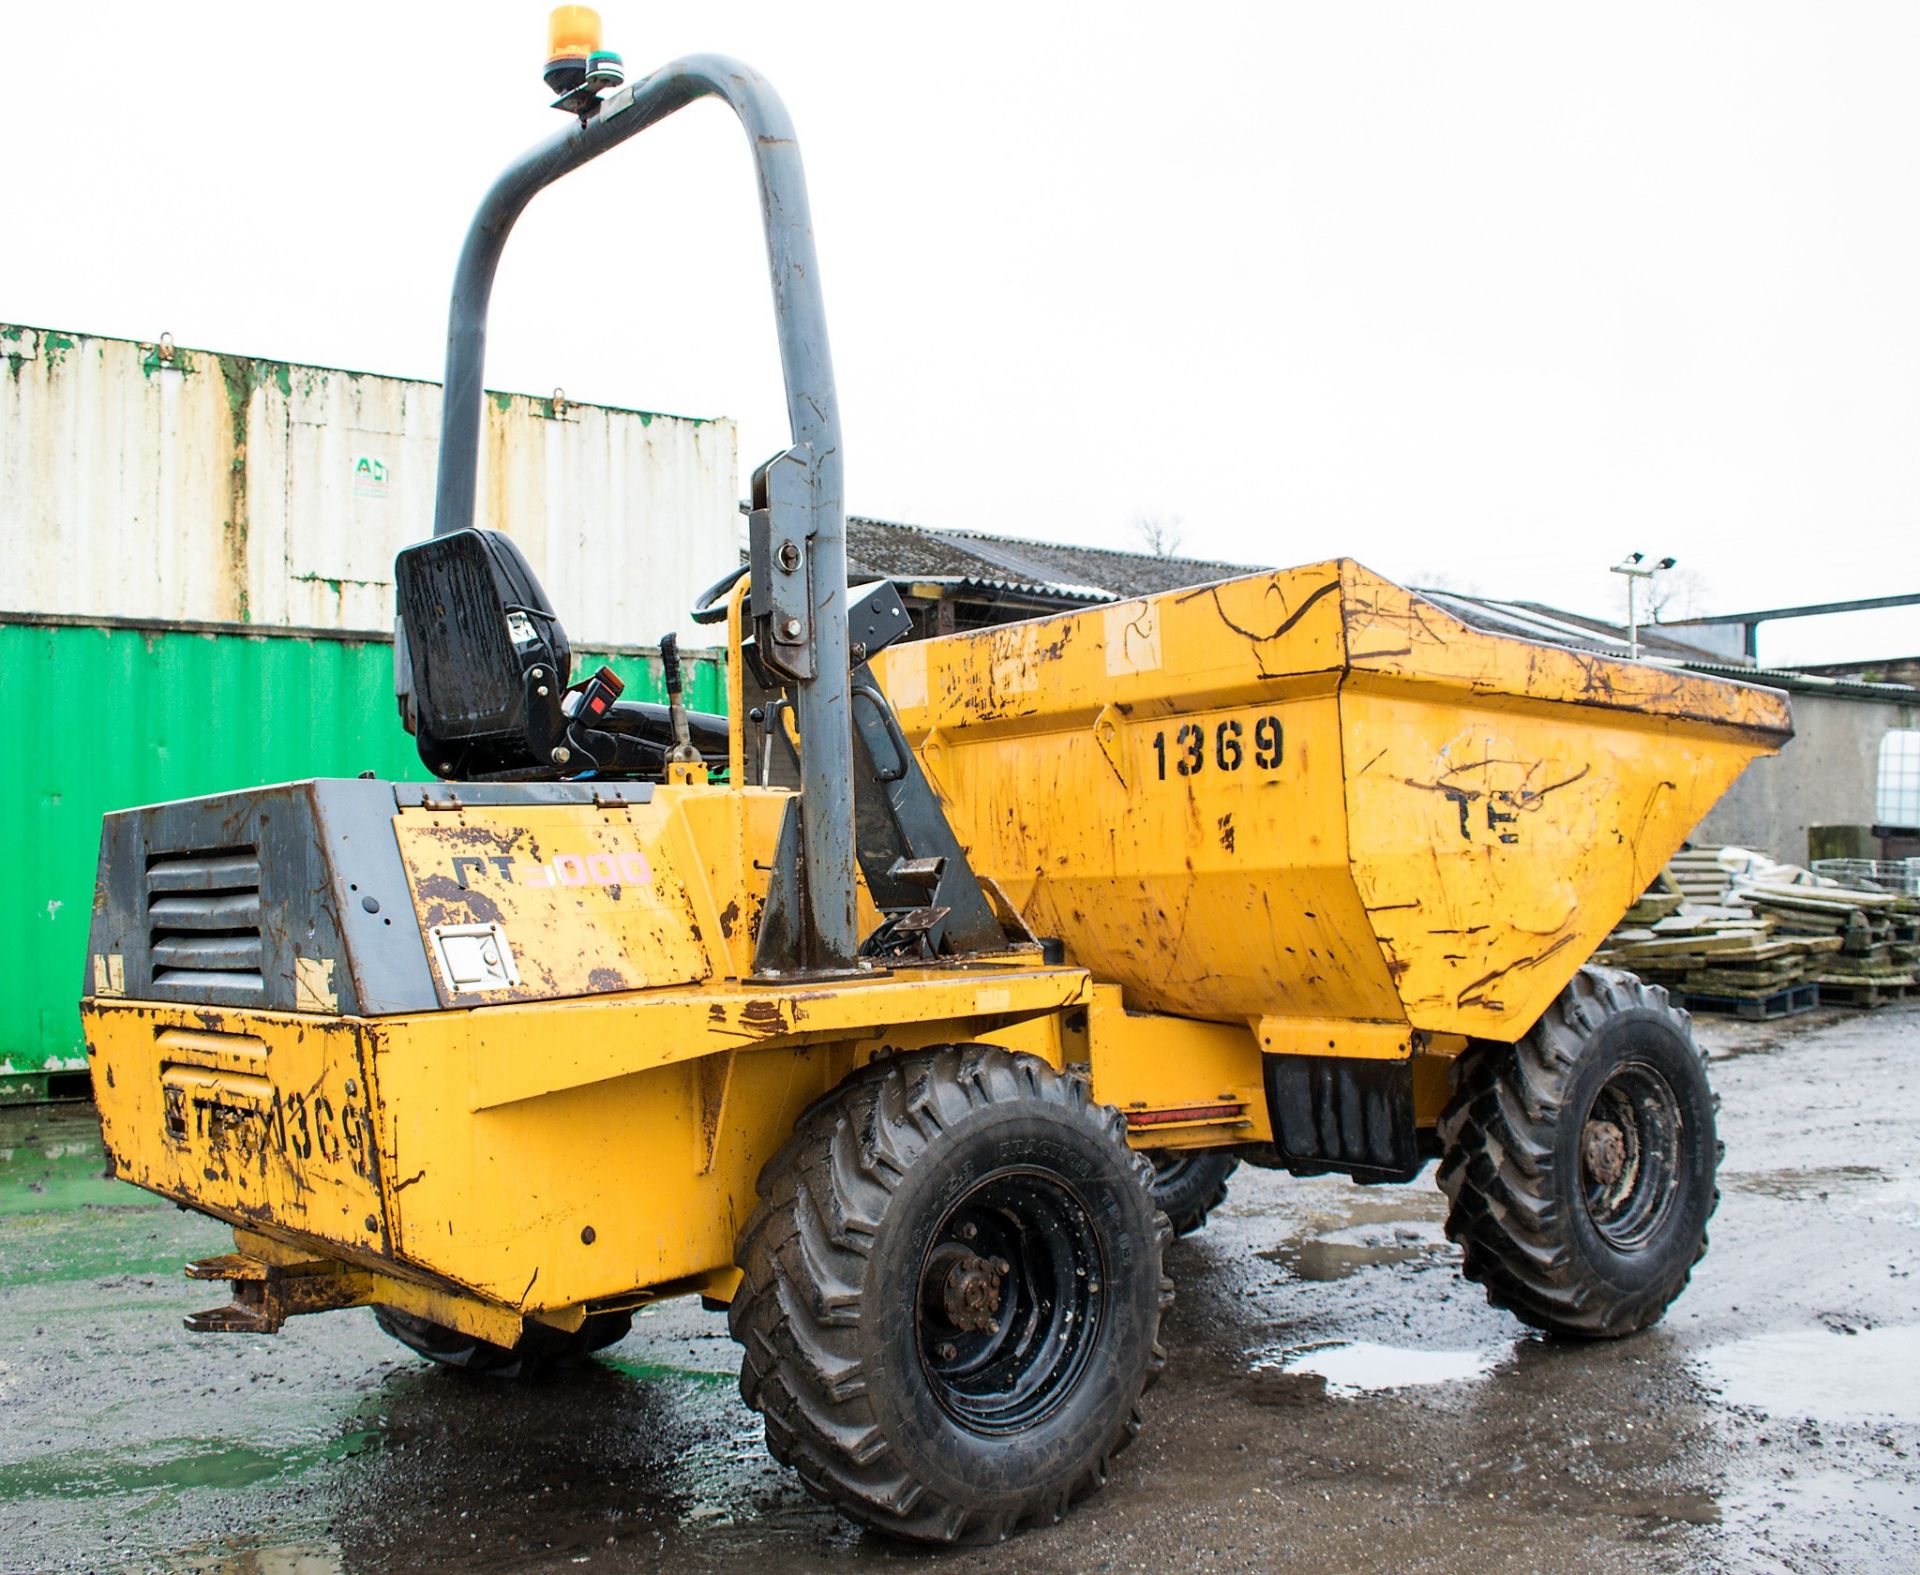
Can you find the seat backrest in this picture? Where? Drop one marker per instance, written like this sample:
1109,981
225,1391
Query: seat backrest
475,619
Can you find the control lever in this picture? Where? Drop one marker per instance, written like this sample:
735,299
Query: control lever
683,753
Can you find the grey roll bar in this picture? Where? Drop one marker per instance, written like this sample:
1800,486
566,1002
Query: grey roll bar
823,702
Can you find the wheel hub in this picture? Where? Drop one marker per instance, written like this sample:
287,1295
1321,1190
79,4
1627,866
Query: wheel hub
970,1294
1603,1150
1632,1156
1011,1300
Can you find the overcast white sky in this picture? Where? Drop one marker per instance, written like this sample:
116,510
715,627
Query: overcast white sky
1483,295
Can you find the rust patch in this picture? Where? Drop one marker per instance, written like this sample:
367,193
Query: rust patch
606,979
469,836
439,890
729,917
762,1015
715,1074
1225,824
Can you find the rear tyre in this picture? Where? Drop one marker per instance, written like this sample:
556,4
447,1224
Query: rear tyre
538,1350
952,1295
1579,1163
1189,1184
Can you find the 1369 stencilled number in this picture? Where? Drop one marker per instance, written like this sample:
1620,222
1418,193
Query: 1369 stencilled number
1269,743
1195,748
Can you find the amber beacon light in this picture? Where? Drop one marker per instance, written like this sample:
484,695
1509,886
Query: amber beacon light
573,38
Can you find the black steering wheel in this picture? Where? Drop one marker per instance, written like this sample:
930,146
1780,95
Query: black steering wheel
709,606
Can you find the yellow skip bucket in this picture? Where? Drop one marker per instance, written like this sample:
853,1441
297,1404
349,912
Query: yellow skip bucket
1313,794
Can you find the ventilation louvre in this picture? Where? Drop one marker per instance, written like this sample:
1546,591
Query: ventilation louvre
203,922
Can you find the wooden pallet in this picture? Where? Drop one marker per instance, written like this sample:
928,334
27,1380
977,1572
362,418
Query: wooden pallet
1845,992
1790,1002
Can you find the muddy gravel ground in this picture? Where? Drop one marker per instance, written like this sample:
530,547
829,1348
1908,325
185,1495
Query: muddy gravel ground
1337,1399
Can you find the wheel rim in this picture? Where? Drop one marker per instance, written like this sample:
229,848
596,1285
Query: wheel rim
1630,1155
1012,1287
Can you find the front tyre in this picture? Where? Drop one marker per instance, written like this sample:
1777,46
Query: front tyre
1579,1162
952,1295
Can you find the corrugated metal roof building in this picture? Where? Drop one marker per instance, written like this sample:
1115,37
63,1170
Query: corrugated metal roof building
887,549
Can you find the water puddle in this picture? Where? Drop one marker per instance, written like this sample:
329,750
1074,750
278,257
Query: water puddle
1357,1367
1336,1254
51,1158
655,1372
1799,1185
1822,1374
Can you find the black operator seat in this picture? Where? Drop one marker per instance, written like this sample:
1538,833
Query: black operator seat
483,668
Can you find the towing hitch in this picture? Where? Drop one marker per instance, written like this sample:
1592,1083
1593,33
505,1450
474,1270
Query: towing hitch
266,1295
273,1281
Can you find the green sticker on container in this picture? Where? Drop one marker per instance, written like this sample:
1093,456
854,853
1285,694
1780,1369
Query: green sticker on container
369,476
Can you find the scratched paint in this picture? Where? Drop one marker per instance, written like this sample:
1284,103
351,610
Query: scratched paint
1321,798
267,1121
587,899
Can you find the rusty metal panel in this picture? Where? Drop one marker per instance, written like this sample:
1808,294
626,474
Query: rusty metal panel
344,479
529,904
117,482
266,1120
625,516
178,484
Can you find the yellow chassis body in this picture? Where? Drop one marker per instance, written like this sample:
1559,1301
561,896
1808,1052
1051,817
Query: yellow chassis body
1455,821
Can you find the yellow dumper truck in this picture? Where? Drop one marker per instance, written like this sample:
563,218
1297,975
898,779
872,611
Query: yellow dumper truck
907,1069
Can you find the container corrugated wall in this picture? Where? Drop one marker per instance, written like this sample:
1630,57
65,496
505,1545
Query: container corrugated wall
179,484
101,718
262,503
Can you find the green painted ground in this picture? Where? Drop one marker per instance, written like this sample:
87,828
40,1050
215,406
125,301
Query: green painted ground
128,1444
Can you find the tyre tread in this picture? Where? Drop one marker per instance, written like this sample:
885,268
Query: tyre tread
1499,1164
803,1255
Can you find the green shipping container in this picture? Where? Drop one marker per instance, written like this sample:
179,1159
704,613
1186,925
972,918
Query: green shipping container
103,716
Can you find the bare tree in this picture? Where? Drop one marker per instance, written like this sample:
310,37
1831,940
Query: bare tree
1160,534
1679,593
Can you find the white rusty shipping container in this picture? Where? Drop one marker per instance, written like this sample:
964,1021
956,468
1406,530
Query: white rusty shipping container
162,483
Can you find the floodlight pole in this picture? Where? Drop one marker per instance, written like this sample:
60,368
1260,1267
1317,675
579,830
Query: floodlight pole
1635,567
